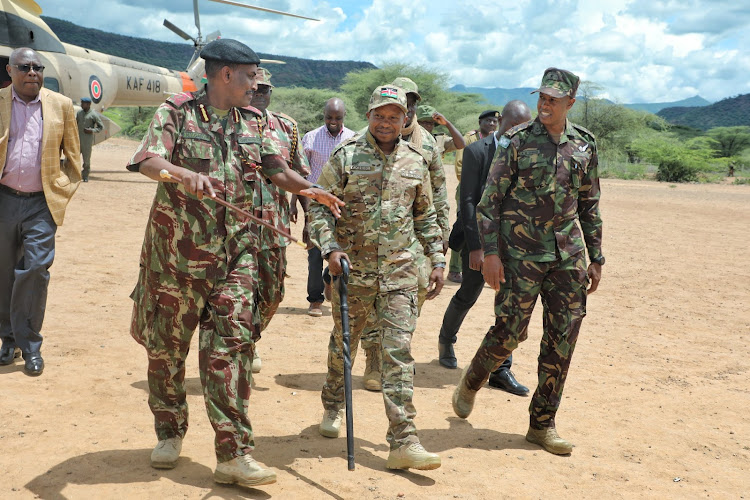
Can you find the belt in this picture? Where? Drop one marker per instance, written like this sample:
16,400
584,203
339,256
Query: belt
22,194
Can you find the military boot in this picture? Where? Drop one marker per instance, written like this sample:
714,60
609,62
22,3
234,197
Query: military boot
549,440
412,456
331,425
463,397
166,453
257,362
373,363
243,471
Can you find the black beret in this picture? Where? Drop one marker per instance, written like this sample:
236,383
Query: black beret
490,113
229,51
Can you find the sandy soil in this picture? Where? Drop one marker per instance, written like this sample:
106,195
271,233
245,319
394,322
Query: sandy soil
656,402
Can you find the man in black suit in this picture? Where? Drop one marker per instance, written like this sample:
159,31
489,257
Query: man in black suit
465,237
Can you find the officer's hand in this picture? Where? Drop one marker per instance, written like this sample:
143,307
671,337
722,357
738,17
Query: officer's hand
325,198
293,210
445,247
306,236
595,274
334,262
436,283
476,259
88,131
197,184
493,271
439,119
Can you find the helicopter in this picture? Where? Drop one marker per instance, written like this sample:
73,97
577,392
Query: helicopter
108,80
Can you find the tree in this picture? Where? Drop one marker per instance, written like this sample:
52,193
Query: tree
729,141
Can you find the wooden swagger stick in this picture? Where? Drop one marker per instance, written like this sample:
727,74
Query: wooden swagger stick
164,174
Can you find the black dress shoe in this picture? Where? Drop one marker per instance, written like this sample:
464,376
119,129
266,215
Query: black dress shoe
505,381
446,356
8,352
34,364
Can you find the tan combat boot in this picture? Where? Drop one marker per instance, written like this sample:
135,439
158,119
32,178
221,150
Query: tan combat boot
166,453
257,362
243,471
331,425
373,363
412,456
549,440
463,397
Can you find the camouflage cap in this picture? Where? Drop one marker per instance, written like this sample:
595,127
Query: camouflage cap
230,51
558,83
388,94
408,85
263,77
425,112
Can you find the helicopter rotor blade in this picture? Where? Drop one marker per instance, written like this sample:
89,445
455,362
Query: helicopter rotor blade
178,31
212,36
272,61
197,17
238,4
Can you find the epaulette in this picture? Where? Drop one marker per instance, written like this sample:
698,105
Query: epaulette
250,109
419,151
283,117
177,100
473,132
521,126
585,132
346,142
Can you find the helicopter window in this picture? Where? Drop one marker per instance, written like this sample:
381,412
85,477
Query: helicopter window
52,84
31,35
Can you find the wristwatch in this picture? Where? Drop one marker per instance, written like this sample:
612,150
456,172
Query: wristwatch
318,186
599,260
441,265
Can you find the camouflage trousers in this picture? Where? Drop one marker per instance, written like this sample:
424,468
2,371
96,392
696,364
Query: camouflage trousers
271,271
371,335
393,315
166,311
562,285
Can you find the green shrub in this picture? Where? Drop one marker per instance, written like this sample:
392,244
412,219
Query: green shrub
676,170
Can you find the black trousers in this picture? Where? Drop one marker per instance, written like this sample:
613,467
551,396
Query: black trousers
27,249
459,306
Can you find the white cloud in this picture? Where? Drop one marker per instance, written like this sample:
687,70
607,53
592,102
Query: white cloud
639,50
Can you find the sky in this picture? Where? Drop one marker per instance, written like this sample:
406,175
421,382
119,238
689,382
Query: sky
635,50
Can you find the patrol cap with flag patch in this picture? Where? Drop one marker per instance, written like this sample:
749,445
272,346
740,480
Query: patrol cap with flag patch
558,83
408,85
263,77
229,51
490,113
425,112
388,94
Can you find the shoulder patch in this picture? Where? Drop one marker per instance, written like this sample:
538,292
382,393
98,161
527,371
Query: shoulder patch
522,126
503,142
178,100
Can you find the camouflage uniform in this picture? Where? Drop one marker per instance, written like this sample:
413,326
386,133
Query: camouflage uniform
198,267
535,192
272,250
87,120
388,218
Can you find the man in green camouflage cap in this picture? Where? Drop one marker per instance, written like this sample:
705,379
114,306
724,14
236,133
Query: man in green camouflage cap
427,145
198,264
389,218
428,117
282,129
543,179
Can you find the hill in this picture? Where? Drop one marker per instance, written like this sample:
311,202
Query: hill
729,112
308,73
655,107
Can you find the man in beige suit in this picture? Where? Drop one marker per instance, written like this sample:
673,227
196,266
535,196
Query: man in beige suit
35,125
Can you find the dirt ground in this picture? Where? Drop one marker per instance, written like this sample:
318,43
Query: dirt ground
656,402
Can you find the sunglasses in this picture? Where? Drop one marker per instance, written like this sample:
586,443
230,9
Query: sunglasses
25,68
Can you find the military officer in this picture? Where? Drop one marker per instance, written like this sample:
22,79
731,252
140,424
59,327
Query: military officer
423,140
428,117
544,177
89,123
384,182
197,265
272,250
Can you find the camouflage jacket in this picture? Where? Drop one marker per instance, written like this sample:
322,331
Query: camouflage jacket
536,190
283,131
432,154
388,213
186,235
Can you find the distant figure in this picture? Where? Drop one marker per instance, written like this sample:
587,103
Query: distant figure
35,188
731,170
465,237
89,123
318,145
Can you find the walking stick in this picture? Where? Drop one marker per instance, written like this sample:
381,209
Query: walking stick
164,174
347,363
